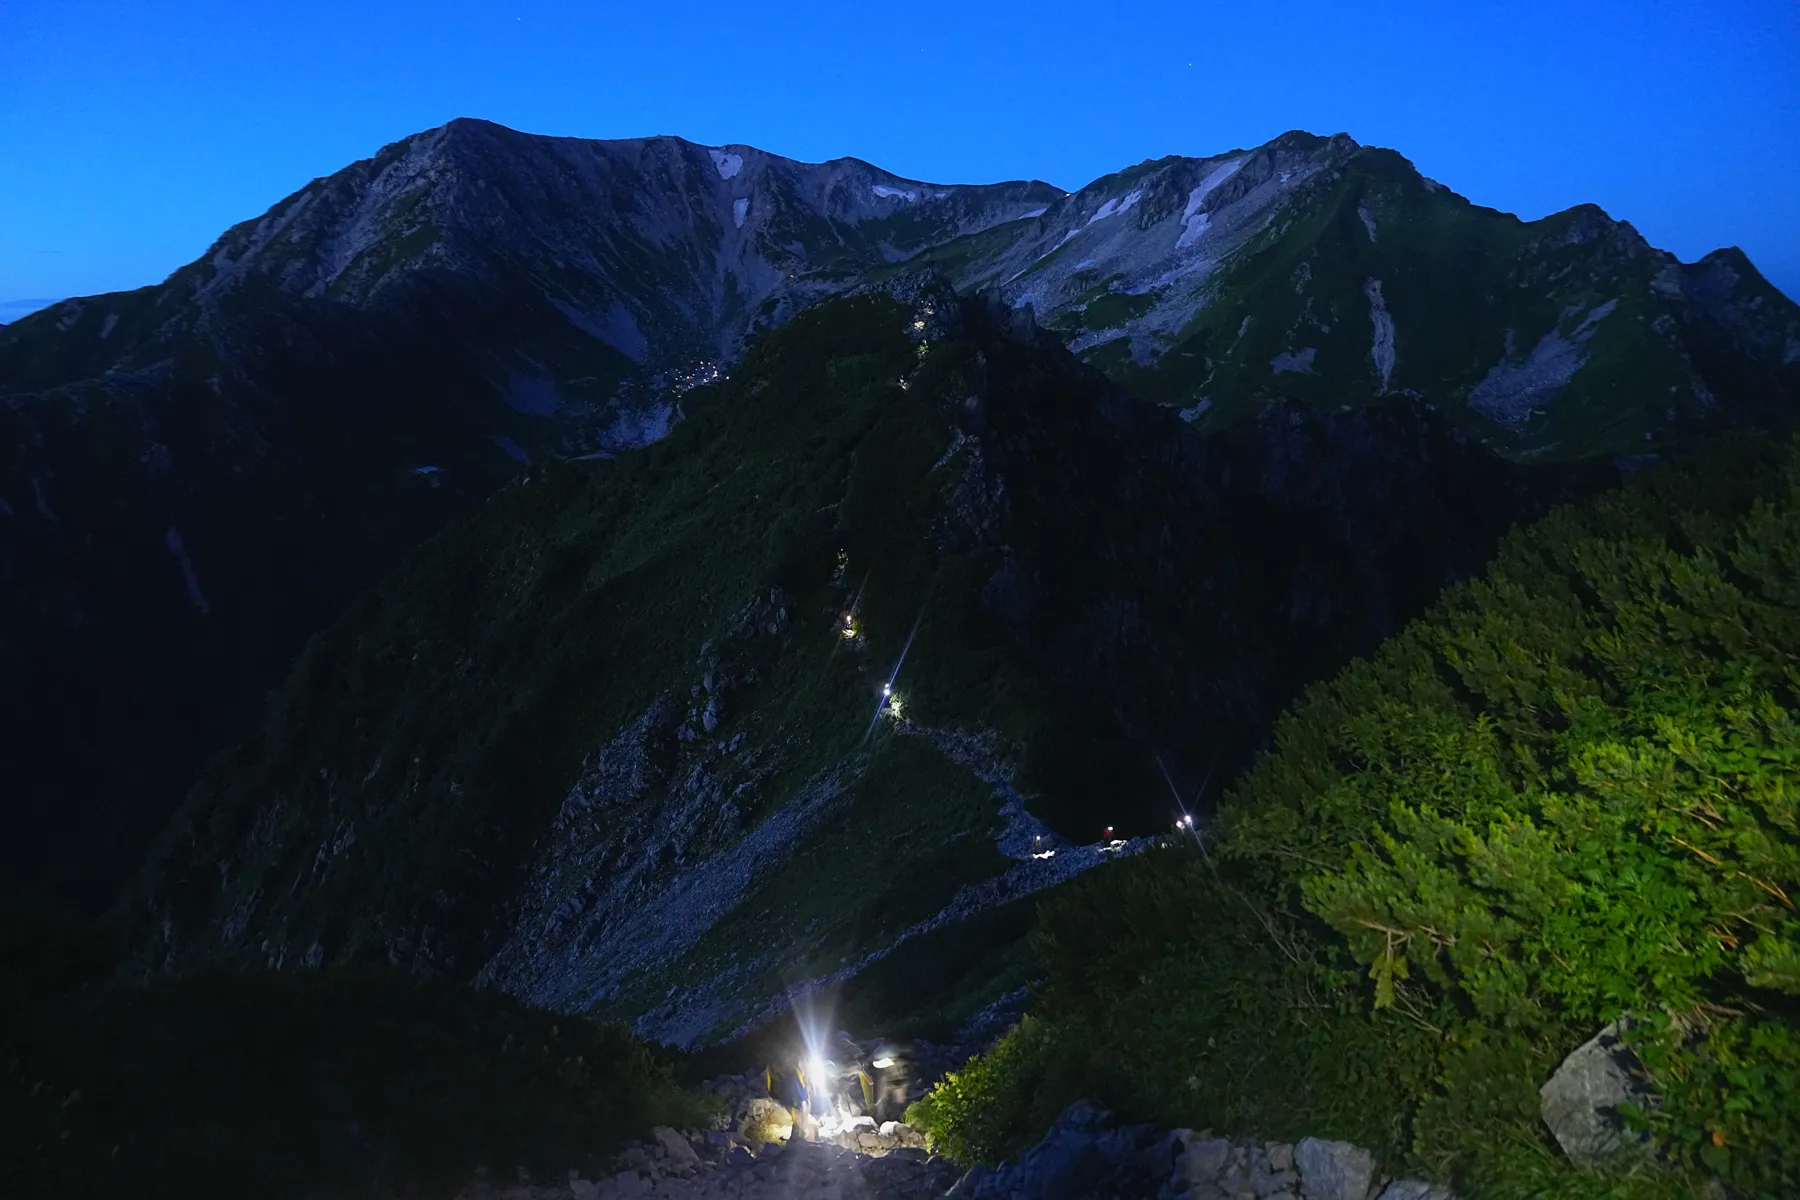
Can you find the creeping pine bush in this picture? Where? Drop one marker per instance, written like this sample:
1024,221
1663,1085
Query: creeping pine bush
1571,792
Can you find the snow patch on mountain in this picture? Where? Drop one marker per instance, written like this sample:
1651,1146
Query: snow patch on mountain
1114,207
1382,351
623,334
740,209
1036,212
1193,226
890,193
1368,221
577,318
1299,362
728,164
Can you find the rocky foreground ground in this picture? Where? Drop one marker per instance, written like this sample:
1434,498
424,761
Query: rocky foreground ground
1084,1155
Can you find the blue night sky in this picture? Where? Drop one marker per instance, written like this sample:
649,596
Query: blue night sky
132,134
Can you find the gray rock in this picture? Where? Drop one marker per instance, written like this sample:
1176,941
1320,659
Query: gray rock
675,1146
1333,1170
1416,1189
1265,1179
624,1184
1204,1161
1580,1103
1281,1156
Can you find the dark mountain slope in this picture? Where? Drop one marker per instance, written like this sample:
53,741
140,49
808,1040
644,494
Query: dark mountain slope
609,734
195,476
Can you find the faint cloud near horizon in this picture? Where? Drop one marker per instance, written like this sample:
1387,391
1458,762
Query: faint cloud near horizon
12,310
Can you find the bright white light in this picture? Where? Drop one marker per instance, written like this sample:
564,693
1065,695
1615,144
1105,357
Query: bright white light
882,1064
1045,854
887,689
815,1067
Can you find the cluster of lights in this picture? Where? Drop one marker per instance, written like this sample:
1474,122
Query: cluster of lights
705,373
1186,822
849,626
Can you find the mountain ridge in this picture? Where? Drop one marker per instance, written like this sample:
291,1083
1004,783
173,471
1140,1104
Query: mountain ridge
203,472
595,742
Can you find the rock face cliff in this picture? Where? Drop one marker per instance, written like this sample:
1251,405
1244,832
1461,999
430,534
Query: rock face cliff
878,642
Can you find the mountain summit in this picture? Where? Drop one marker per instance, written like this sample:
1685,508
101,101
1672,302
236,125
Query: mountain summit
1319,270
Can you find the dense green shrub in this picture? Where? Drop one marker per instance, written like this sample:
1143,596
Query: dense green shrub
272,1085
975,1114
1572,791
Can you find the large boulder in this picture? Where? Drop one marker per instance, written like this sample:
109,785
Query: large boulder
676,1146
1333,1170
1581,1101
1203,1162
